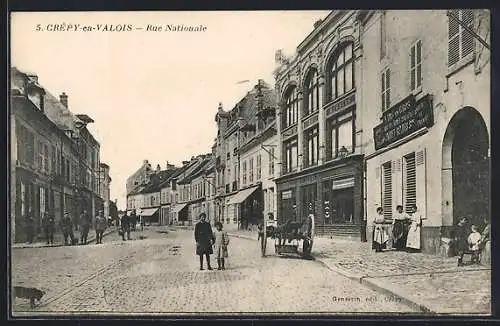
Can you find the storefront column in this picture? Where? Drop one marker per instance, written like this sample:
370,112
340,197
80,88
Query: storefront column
300,132
322,123
279,150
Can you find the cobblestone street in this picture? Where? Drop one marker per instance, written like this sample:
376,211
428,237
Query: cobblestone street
159,274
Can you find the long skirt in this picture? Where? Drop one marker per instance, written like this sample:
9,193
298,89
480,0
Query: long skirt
413,239
380,237
400,233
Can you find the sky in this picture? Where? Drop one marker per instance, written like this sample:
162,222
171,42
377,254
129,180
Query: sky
154,94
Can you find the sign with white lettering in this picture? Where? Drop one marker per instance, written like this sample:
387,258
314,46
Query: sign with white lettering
402,120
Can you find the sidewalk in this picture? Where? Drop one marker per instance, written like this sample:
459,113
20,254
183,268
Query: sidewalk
59,240
430,283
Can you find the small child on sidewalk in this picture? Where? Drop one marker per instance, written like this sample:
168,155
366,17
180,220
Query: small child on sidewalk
474,240
220,245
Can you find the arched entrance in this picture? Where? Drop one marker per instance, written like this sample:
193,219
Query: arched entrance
466,169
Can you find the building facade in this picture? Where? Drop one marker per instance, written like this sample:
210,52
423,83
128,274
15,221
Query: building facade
46,174
426,104
104,187
319,127
139,177
245,123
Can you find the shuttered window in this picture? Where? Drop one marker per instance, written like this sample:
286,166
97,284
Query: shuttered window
410,182
387,189
460,41
416,65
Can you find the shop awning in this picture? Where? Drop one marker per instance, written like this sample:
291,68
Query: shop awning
343,183
242,195
179,207
148,211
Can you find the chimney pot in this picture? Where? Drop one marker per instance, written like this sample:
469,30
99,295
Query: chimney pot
63,98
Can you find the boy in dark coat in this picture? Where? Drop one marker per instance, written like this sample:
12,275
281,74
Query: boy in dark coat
461,244
204,238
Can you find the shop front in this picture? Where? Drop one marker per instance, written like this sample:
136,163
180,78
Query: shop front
249,204
333,191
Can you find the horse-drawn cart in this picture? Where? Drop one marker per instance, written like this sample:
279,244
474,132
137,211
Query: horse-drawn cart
294,238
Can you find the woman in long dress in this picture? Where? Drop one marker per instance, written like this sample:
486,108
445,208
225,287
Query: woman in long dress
400,228
414,232
380,235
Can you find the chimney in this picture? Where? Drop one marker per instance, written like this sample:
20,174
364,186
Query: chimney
185,163
63,98
145,162
158,168
317,23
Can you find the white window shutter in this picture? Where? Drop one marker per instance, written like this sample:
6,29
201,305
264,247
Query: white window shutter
420,162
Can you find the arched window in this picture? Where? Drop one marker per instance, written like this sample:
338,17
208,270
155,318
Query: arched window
291,108
312,92
341,71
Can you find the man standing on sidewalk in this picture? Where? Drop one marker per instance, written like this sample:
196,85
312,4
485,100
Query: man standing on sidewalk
67,228
125,226
85,226
49,226
100,226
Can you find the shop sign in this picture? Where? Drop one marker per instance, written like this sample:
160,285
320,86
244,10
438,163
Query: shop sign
402,120
310,121
290,132
341,104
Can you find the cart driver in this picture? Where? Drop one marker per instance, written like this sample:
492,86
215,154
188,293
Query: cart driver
309,230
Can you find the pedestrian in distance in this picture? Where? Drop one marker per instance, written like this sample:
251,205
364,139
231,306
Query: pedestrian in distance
204,238
85,223
380,235
400,228
474,241
66,225
100,226
125,226
460,239
221,241
413,241
49,226
30,227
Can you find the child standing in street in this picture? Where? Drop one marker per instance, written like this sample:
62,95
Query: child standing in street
474,240
220,245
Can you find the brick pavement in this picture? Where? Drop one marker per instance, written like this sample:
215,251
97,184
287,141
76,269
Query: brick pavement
57,270
161,276
428,282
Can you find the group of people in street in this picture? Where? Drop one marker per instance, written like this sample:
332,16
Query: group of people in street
209,242
403,232
468,240
67,226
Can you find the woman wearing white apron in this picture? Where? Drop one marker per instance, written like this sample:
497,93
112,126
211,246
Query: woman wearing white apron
380,235
414,232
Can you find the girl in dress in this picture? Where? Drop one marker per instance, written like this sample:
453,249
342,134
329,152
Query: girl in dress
380,235
414,232
220,245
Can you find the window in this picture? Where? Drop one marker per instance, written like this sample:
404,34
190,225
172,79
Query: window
410,182
291,108
259,167
235,169
41,157
152,200
386,89
287,205
23,199
228,155
291,155
312,146
245,172
460,41
387,189
416,66
271,161
340,134
341,72
250,170
312,93
43,202
382,35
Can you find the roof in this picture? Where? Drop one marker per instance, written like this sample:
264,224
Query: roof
157,180
60,115
195,172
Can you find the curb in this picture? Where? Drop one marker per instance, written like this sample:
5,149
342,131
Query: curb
370,282
90,240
